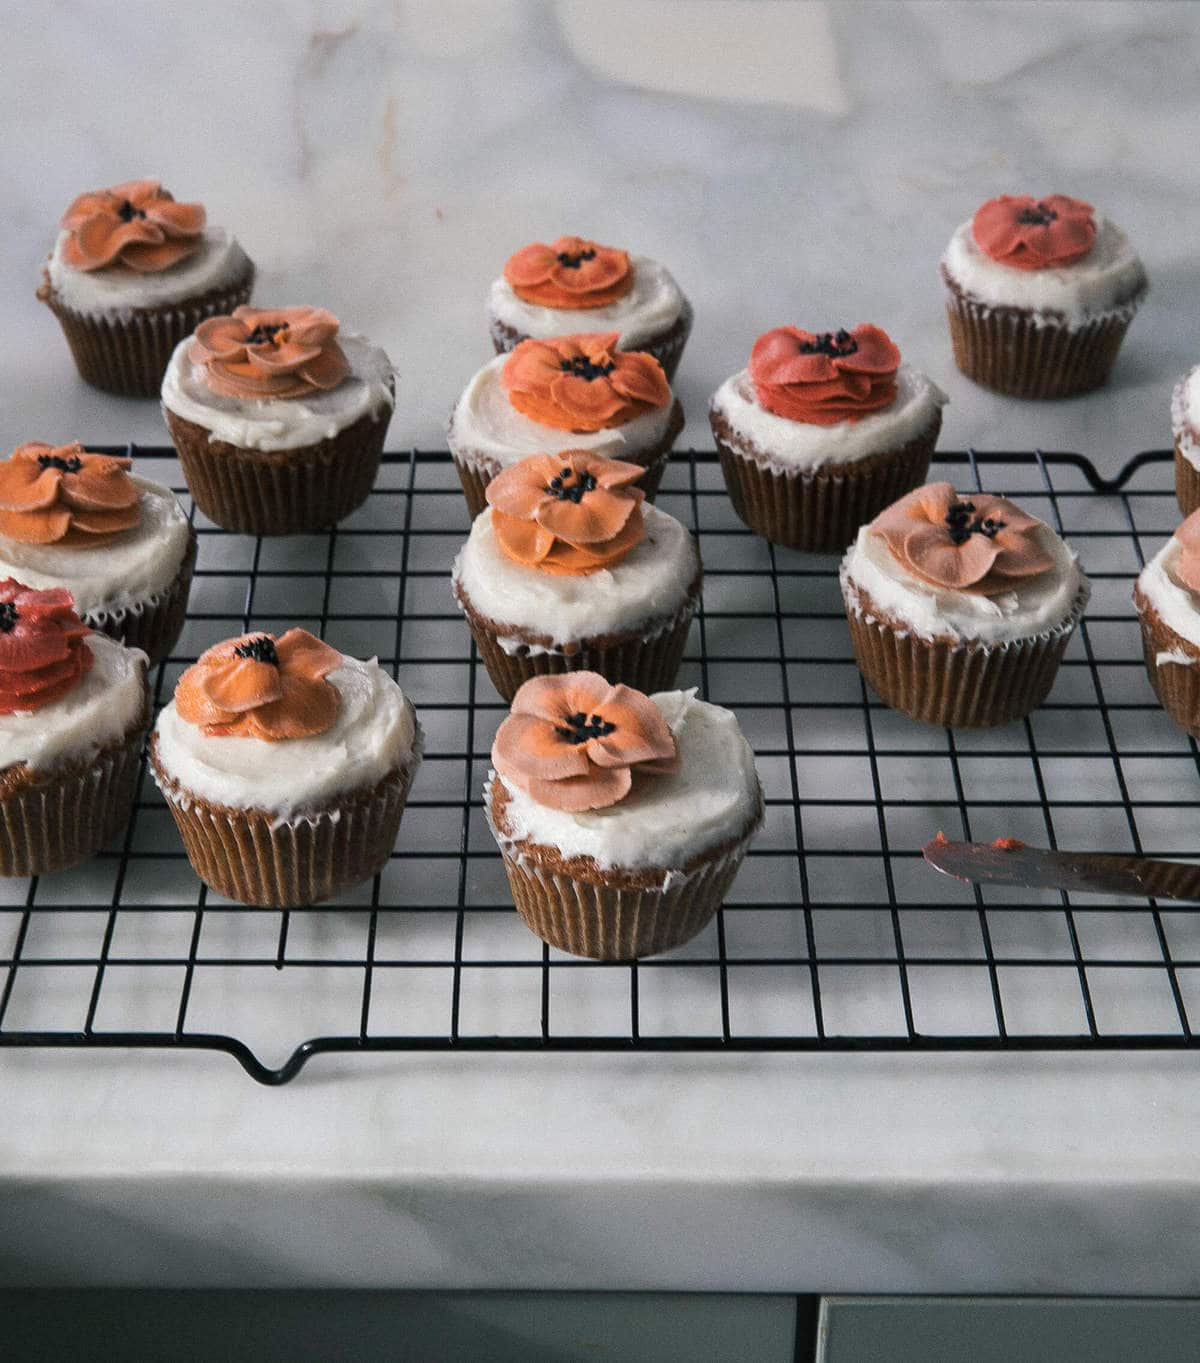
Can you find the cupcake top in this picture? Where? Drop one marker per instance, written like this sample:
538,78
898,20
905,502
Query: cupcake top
133,246
64,693
1051,255
568,392
569,549
284,724
807,399
276,378
625,779
80,520
573,284
1171,581
973,566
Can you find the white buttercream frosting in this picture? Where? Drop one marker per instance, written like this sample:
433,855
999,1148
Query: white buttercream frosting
282,423
1185,415
218,263
1176,605
375,733
651,307
666,821
804,446
1110,276
648,587
1033,607
106,578
100,710
486,428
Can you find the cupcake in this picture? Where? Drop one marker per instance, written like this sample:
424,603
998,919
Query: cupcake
565,393
960,607
1167,597
131,274
822,430
622,818
569,570
576,285
1039,293
286,766
1185,427
74,707
121,545
278,418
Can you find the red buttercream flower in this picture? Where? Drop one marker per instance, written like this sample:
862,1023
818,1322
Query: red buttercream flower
824,377
137,224
583,383
61,494
270,353
42,653
1034,234
569,273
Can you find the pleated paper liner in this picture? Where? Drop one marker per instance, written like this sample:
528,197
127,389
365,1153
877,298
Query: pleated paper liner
247,856
1187,482
128,354
280,492
155,623
1176,679
819,512
969,685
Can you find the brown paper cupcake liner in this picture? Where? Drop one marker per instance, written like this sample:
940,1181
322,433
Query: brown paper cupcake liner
818,512
280,492
128,354
1176,679
1187,482
155,623
248,856
971,685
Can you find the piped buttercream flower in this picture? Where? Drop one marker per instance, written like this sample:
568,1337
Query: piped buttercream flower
583,382
62,494
1187,565
575,742
569,513
269,353
824,377
42,653
1034,234
980,544
137,225
571,272
260,686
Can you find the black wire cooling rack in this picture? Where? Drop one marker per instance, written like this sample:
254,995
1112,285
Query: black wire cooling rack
836,935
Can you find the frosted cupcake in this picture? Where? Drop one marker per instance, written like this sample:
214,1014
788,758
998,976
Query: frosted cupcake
286,766
574,285
960,607
1185,428
279,418
622,818
121,545
569,570
74,708
1167,597
822,430
131,274
566,393
1039,294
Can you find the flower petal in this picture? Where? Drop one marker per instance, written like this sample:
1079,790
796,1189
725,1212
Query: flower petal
527,746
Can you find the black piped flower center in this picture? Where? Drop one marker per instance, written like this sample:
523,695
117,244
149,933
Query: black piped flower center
56,461
835,344
579,727
266,332
962,523
583,368
569,486
8,617
572,261
1040,215
127,212
260,649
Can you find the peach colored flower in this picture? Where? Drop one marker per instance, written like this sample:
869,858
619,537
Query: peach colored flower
61,494
583,383
137,225
261,353
571,272
1187,565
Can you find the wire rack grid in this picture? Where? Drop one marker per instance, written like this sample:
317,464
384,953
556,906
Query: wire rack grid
836,936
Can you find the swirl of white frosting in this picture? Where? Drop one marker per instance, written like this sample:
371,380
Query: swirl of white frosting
1185,415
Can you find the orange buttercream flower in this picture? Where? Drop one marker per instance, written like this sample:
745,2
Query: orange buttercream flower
270,353
260,686
569,513
574,741
42,653
137,224
61,494
1187,565
583,383
569,273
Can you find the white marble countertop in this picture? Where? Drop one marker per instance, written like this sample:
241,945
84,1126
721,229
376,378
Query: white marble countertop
800,163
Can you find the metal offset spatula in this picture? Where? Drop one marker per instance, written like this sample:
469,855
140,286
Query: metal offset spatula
1009,862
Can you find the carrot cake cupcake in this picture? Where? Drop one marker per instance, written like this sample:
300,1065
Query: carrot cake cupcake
1167,597
822,430
570,570
286,766
565,393
74,707
1185,428
131,274
121,545
279,418
961,606
574,285
622,818
1039,294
